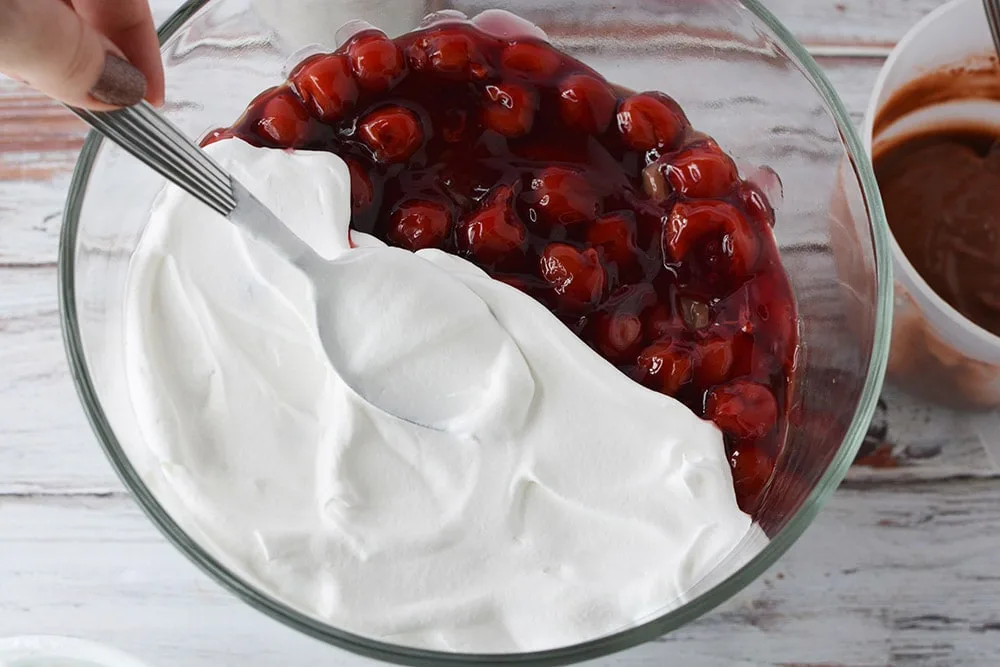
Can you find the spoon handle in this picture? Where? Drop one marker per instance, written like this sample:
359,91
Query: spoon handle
992,8
145,134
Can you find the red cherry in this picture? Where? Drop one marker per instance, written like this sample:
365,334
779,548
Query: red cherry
615,233
660,323
772,310
576,276
617,329
702,171
665,366
618,337
586,103
449,53
650,217
376,61
528,59
743,409
563,196
752,470
744,361
509,109
692,222
417,224
362,191
325,84
393,133
494,230
715,361
517,283
283,120
651,120
756,205
783,320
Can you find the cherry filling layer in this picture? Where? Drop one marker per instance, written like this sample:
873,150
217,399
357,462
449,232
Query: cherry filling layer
606,206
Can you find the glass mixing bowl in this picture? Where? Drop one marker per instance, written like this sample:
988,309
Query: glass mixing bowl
740,76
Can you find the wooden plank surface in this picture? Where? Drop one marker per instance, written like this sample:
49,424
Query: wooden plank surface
898,570
852,23
857,24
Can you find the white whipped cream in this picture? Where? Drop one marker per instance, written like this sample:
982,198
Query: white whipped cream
564,501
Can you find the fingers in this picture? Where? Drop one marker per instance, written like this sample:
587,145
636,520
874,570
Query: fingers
129,24
47,44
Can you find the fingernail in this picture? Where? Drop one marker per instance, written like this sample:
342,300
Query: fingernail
120,84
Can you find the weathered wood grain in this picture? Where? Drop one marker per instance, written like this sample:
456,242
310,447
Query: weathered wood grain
886,576
851,23
45,442
822,23
925,442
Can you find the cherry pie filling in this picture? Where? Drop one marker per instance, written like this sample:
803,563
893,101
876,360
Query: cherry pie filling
604,205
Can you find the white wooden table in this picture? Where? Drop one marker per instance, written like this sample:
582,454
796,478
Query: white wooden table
902,567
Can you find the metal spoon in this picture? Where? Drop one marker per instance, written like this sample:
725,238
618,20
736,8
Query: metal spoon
992,8
147,135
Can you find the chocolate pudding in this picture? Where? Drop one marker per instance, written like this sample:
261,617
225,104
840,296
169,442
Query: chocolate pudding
941,190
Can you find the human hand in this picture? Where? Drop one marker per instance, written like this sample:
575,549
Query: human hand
96,54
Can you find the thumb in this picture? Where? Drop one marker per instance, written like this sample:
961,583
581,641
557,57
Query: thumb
46,44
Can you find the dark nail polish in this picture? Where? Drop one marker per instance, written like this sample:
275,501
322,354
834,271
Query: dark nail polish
120,84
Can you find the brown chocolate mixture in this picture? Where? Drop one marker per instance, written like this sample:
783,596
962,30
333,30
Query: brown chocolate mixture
942,198
976,78
941,190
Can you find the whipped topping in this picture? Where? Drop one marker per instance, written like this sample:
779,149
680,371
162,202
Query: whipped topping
558,500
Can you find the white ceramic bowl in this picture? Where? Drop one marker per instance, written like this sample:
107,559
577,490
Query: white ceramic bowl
936,351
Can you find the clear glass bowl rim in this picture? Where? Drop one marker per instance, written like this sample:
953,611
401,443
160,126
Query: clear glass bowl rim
619,641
